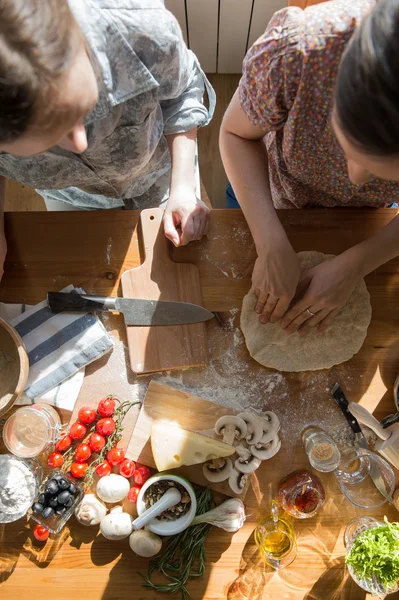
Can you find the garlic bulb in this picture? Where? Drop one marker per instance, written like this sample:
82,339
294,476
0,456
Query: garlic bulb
112,488
145,543
116,525
91,510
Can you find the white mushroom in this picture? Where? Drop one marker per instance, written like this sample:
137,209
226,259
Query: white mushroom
254,427
112,488
91,510
266,451
231,428
219,469
247,462
237,481
145,543
117,525
271,426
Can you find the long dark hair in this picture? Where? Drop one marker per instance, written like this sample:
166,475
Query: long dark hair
367,87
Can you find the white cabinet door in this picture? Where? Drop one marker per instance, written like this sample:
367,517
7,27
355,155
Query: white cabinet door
234,23
263,10
202,18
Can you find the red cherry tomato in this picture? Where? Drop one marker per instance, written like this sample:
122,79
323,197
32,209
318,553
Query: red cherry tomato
87,415
127,467
103,469
55,459
105,426
82,453
141,475
78,469
133,494
41,533
115,456
106,407
97,442
77,431
64,443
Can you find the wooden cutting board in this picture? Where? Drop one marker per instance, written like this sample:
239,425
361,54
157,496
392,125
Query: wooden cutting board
159,278
190,412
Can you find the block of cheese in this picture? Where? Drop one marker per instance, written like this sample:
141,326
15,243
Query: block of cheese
173,447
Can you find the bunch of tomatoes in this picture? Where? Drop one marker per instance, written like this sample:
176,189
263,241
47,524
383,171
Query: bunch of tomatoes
105,425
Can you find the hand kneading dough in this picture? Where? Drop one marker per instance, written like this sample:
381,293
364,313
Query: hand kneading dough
271,347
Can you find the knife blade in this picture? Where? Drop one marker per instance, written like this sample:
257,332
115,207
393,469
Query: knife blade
138,313
360,439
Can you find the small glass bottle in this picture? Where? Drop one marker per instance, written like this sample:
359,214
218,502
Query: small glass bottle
31,430
301,494
322,452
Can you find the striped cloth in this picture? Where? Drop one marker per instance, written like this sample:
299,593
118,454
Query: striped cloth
59,346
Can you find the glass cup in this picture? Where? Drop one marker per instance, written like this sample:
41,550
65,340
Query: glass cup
276,540
354,528
361,474
28,480
322,451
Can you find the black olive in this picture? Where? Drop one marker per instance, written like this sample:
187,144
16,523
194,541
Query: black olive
47,512
53,502
69,502
72,489
60,510
64,497
57,477
63,484
37,507
52,487
42,499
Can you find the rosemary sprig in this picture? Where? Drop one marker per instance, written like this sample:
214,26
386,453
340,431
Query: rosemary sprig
184,556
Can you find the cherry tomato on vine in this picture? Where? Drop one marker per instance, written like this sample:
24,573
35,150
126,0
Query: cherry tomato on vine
141,475
41,533
97,442
105,426
127,467
63,443
78,469
103,469
115,456
106,407
77,431
87,415
133,494
82,453
55,459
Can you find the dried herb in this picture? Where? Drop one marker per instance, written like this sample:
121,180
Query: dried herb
184,556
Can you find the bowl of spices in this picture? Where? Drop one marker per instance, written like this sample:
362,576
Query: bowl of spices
178,517
56,501
19,484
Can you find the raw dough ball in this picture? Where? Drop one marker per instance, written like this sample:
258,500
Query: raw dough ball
271,347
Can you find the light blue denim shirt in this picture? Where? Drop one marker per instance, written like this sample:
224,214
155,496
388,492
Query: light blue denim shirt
150,85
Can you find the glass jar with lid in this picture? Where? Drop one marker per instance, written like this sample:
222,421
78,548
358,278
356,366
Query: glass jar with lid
301,494
32,430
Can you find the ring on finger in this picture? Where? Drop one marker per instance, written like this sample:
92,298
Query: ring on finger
310,313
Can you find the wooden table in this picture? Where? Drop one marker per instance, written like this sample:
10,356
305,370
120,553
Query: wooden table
91,249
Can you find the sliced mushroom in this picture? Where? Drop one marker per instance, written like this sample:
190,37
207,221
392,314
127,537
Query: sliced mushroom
231,427
254,427
247,462
218,469
271,425
268,450
237,481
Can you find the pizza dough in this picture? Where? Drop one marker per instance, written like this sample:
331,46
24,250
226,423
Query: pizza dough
271,347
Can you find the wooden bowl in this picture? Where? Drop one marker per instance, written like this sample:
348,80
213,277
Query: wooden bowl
14,366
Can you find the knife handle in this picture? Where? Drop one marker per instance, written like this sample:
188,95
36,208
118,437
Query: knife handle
342,401
59,301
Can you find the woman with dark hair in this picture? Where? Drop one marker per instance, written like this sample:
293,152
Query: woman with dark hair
315,122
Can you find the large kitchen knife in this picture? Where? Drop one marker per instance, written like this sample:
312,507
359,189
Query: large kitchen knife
360,438
139,313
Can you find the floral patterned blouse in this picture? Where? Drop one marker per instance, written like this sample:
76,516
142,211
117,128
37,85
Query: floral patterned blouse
287,89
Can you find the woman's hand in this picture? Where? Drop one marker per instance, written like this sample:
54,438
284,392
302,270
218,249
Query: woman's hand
3,252
275,278
186,217
323,291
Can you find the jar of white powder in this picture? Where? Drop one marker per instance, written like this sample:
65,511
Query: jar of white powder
19,485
